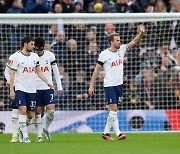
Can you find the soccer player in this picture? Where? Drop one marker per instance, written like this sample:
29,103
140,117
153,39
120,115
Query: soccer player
45,95
25,64
112,61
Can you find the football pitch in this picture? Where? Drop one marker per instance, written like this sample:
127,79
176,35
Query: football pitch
73,143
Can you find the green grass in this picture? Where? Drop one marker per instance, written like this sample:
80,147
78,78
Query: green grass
72,143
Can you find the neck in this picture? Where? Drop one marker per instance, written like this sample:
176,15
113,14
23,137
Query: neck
40,53
112,49
25,52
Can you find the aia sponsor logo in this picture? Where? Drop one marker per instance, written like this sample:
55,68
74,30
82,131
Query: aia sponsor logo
116,63
45,69
29,70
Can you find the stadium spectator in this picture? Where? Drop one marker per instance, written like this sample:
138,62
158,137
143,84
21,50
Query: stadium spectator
174,5
160,7
3,6
51,34
58,8
134,6
90,37
112,61
77,32
162,93
78,8
146,8
72,59
67,5
109,28
91,59
77,94
147,89
4,96
59,46
98,6
121,7
37,6
174,90
17,7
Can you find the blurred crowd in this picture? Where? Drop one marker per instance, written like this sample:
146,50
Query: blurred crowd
89,6
151,69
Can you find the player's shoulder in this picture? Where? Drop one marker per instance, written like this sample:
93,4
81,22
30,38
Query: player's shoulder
47,52
104,51
123,47
34,54
15,54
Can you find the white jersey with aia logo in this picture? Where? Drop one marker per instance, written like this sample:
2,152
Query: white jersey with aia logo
26,70
47,63
113,66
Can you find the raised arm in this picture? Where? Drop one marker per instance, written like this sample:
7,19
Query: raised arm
138,38
93,79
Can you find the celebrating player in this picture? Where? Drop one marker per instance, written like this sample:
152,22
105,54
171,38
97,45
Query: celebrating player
112,61
45,95
25,64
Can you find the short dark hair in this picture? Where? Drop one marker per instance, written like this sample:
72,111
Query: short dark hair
26,39
39,43
111,37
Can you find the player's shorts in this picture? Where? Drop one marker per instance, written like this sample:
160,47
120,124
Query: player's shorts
114,94
44,97
26,99
13,104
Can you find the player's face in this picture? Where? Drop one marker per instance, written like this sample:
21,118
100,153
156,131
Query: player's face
30,46
116,43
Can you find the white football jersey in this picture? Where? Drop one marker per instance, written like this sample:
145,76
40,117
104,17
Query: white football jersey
26,71
113,66
47,61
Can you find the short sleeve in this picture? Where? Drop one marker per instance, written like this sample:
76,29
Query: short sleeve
53,59
12,63
102,58
123,49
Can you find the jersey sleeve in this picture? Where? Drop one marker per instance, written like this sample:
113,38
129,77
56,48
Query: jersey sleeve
37,63
12,63
102,58
123,49
53,59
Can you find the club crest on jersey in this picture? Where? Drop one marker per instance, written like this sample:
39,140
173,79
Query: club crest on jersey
29,70
116,63
45,69
10,62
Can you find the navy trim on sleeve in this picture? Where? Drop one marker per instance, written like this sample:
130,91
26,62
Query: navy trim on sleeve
53,62
100,63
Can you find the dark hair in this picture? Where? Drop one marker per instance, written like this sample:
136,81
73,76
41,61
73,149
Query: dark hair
39,43
26,39
111,37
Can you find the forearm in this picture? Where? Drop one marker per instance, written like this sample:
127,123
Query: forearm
57,77
12,75
94,76
42,77
136,40
7,74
